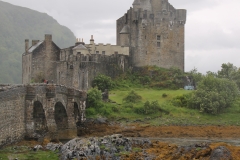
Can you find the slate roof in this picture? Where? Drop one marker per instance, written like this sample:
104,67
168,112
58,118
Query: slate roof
32,48
80,47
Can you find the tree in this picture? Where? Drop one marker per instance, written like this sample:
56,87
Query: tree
103,82
213,95
227,71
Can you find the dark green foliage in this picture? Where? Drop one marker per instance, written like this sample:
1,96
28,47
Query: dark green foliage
132,97
213,95
152,76
164,95
148,108
94,97
180,101
103,82
230,72
18,24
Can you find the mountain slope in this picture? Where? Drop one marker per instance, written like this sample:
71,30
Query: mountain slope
16,25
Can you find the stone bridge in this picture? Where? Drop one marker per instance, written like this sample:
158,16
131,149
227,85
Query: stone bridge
30,110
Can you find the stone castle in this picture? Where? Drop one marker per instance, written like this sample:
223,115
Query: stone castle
150,33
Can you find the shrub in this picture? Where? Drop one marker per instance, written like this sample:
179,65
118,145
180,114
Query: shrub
164,95
180,101
132,97
90,112
103,82
213,95
148,108
94,98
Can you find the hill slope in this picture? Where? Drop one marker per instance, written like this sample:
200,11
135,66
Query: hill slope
16,25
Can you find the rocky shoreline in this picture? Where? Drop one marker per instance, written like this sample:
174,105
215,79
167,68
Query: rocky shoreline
118,147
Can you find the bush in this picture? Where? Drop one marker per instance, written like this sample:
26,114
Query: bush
148,108
164,95
213,95
94,98
103,82
180,101
90,112
132,97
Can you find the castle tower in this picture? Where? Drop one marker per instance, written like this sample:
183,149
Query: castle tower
154,31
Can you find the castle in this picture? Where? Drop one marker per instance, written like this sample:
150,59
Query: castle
150,33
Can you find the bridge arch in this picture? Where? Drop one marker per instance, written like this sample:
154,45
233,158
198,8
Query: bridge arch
60,116
39,118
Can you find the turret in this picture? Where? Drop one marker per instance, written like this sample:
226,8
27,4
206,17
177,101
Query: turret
136,5
91,40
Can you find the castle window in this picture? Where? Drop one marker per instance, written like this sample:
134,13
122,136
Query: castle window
158,37
158,44
97,52
103,52
177,44
145,14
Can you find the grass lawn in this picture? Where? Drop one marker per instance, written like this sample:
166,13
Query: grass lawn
25,153
177,115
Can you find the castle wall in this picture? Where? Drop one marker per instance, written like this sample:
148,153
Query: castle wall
80,71
108,49
26,68
12,114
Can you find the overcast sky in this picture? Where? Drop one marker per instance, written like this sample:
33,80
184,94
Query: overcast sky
212,27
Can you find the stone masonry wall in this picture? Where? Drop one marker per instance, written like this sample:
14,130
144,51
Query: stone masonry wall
79,72
156,34
12,114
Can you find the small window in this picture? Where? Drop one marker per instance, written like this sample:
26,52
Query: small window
177,44
158,37
145,37
97,52
158,44
103,52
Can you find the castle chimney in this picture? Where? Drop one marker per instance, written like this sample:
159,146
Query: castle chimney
48,37
34,42
26,45
48,43
91,40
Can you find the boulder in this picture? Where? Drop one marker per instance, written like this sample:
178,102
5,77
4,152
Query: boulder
221,153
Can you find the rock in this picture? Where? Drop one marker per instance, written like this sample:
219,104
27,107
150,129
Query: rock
100,121
37,147
53,146
221,153
109,147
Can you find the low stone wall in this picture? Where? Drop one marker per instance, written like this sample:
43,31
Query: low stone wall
12,114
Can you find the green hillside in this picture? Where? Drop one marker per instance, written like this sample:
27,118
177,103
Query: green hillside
16,25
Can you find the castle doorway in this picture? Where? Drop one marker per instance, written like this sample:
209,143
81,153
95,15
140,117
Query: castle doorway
39,119
60,116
